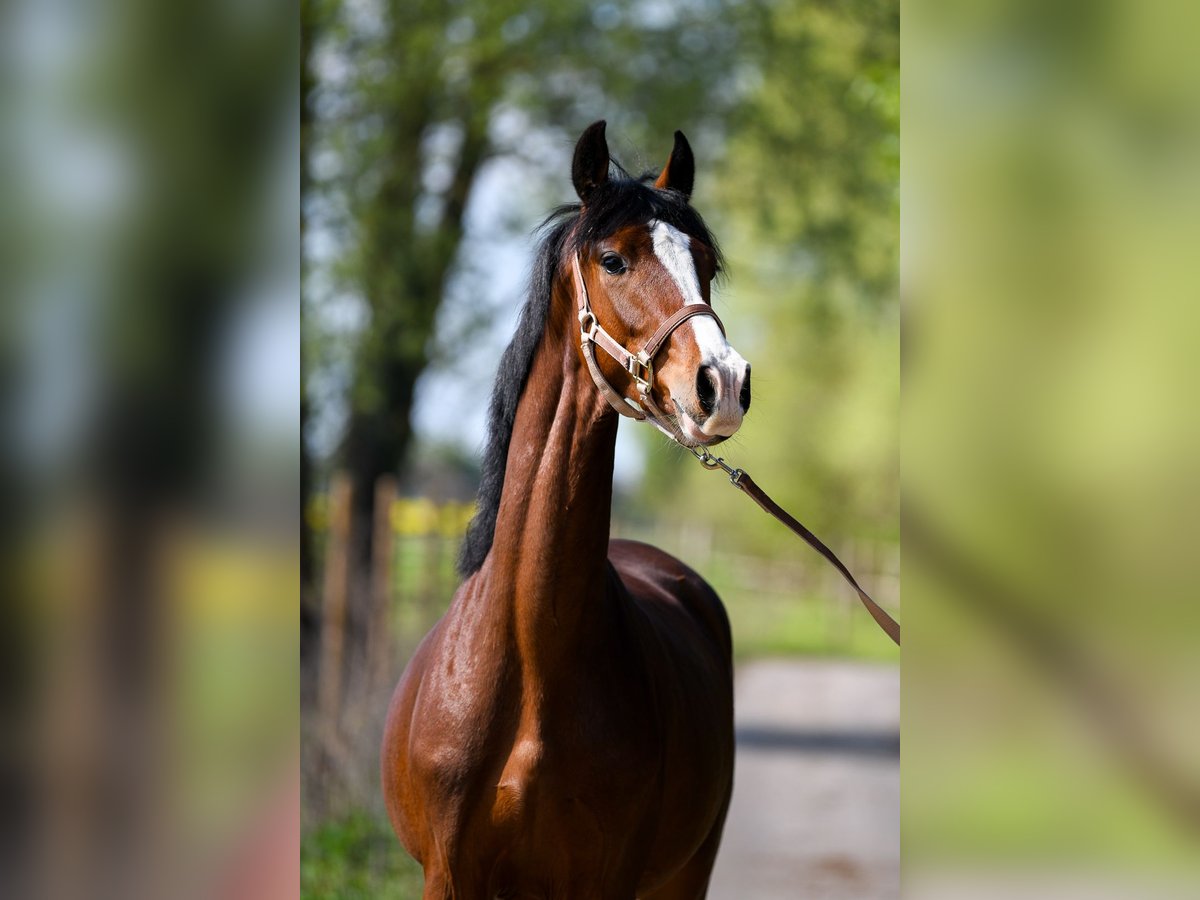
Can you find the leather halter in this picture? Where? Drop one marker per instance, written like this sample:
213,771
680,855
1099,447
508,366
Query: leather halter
640,365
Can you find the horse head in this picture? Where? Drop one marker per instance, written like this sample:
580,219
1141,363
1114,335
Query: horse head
643,264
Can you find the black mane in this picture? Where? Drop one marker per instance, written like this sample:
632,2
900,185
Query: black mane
619,202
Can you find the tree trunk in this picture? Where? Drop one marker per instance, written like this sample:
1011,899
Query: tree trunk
405,274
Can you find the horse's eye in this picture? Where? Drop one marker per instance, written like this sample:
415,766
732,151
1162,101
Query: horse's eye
613,264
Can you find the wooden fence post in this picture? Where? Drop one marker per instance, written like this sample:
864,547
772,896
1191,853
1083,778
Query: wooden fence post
333,606
379,642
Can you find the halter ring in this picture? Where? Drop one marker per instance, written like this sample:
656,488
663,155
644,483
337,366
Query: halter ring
587,325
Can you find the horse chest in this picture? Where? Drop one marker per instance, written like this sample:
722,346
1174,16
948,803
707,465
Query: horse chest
554,797
543,768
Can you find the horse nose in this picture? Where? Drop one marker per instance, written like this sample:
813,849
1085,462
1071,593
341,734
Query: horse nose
723,394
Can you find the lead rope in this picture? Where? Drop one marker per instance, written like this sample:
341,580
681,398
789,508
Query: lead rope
741,480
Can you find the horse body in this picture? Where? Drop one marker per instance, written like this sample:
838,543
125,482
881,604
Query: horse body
604,786
566,729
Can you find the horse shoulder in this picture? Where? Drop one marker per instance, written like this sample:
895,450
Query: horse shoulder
433,745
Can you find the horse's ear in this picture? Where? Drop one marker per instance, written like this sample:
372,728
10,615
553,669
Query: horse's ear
590,167
679,174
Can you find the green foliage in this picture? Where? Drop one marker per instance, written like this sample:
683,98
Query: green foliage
357,858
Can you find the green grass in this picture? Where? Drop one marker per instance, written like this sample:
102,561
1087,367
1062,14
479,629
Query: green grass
788,619
805,627
357,858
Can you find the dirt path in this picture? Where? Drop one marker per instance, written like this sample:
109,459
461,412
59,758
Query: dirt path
816,798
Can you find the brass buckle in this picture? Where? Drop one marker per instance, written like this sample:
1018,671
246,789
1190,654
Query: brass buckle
644,380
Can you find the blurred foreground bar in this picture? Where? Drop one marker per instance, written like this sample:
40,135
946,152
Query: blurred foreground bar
1051,215
149,346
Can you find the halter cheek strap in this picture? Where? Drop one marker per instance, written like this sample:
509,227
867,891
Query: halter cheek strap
640,365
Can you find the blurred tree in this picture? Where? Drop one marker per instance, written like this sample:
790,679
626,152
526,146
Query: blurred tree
314,21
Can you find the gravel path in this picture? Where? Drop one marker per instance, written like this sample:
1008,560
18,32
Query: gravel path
816,797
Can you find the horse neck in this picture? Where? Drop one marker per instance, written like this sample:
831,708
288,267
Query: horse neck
549,554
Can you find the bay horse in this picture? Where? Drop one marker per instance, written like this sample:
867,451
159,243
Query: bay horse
566,729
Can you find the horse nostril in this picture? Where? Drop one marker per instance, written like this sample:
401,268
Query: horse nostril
745,395
706,389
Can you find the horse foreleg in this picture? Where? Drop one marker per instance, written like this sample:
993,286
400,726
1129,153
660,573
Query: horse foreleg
437,887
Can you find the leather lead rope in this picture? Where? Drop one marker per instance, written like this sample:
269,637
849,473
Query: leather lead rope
744,483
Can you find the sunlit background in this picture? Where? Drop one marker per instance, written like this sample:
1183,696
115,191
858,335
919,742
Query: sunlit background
1050,284
149,382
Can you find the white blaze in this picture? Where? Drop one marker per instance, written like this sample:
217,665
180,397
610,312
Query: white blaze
673,249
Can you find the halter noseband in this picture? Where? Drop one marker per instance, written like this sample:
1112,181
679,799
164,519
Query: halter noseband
640,365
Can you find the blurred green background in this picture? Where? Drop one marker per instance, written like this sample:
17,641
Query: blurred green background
434,138
1050,727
